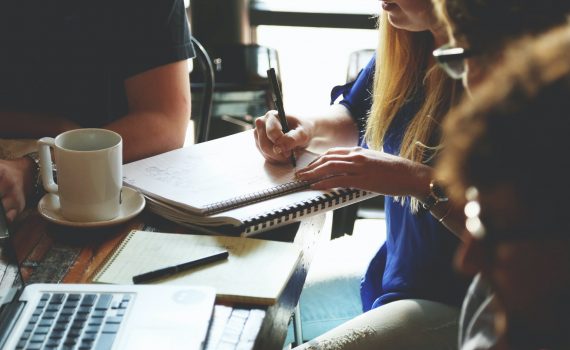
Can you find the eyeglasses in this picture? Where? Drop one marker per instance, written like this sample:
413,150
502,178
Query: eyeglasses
452,60
490,234
472,209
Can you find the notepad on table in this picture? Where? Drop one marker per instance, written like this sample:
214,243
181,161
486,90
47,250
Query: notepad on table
226,185
256,271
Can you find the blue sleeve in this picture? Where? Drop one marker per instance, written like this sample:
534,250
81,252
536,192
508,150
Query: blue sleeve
357,95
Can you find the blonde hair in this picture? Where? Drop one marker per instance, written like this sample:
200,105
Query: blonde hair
404,69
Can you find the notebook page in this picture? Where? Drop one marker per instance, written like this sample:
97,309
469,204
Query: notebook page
210,172
256,271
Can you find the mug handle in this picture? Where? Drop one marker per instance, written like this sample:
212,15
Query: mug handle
46,167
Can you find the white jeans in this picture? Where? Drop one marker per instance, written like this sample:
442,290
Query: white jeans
401,325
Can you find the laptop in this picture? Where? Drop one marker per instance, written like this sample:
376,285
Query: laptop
97,316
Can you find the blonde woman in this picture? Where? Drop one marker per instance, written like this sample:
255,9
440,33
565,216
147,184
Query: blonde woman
410,293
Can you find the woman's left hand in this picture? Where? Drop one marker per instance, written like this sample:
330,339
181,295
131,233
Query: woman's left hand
369,170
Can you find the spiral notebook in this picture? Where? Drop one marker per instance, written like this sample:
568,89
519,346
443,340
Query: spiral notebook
226,186
255,272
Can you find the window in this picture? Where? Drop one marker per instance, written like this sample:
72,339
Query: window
313,60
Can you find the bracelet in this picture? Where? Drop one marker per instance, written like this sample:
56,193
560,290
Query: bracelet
37,176
436,195
445,214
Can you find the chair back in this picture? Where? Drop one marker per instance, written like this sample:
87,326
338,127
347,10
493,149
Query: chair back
242,90
356,61
202,118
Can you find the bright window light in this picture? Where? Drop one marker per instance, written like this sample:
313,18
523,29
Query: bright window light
312,61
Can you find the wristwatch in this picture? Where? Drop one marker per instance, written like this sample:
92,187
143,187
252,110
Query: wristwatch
436,195
37,177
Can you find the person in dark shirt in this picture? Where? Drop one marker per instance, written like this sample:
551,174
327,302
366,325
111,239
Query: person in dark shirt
506,154
120,65
480,31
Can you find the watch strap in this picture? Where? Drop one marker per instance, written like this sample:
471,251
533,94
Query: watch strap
36,176
436,195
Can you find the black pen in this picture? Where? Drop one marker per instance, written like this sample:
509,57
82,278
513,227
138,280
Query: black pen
170,270
280,109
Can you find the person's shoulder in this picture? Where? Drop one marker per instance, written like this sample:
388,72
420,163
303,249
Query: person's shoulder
479,301
146,17
478,293
477,319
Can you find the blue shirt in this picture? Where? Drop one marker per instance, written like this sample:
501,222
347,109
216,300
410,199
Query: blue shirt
415,262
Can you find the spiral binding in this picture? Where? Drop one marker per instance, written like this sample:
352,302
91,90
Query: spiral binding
300,209
255,197
108,261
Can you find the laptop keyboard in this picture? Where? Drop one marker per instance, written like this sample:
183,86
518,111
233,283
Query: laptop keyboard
75,321
234,328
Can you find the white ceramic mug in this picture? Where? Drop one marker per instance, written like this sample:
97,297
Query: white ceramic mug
89,173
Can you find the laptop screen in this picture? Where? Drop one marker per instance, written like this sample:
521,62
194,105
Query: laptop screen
97,316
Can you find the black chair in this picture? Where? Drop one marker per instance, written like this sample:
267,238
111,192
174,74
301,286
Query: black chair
356,61
242,90
343,218
202,119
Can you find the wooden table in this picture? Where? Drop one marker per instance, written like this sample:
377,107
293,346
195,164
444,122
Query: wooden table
56,254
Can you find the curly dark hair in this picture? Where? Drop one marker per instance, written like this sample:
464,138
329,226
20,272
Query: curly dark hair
486,25
516,128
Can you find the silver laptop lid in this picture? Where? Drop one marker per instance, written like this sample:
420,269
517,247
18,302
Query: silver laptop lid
11,282
10,278
176,315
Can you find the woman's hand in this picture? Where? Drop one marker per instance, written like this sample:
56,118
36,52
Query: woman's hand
369,170
16,180
275,145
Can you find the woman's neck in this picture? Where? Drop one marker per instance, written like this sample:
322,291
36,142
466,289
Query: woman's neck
440,36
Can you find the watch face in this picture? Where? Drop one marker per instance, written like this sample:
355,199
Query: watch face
436,195
438,192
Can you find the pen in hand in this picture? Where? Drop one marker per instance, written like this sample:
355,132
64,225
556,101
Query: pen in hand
170,270
280,109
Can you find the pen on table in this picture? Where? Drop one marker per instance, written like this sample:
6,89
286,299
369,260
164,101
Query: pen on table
280,109
170,270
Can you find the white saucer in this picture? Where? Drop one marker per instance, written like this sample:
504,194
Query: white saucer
132,204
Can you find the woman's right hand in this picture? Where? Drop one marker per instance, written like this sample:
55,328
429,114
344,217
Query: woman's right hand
275,145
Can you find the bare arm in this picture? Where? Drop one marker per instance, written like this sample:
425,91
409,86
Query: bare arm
333,127
383,173
159,110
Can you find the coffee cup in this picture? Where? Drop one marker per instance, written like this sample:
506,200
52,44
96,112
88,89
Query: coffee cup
89,173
